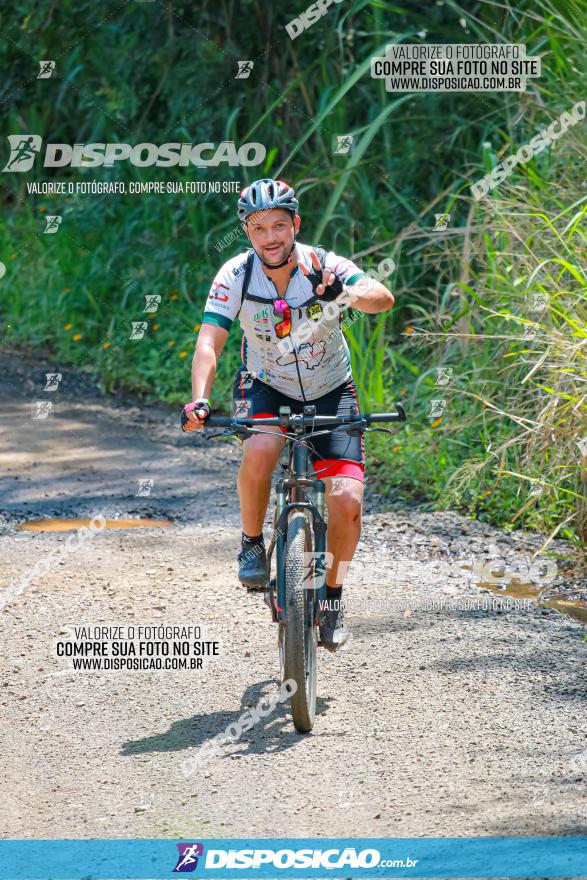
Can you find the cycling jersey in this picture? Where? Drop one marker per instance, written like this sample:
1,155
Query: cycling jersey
303,370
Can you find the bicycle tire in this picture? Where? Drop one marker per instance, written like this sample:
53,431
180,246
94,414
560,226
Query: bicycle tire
299,639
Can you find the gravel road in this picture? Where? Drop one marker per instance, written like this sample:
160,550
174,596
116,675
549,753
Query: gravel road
443,721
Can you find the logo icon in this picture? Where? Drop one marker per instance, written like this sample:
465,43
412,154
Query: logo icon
437,409
145,487
53,223
441,222
315,566
539,797
218,294
23,149
242,408
314,311
262,316
244,69
443,375
47,68
138,329
187,860
337,487
152,302
537,301
41,409
53,380
342,144
246,380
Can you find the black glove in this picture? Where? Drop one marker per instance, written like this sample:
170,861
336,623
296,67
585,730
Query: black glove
190,407
331,291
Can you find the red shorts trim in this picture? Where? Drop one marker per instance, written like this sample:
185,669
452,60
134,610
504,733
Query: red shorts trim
268,416
340,467
329,467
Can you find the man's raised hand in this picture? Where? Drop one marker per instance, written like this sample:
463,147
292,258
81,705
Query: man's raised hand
324,282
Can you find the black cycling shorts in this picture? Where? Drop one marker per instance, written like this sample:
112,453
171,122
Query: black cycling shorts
334,454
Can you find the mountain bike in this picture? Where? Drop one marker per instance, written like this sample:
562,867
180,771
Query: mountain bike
297,593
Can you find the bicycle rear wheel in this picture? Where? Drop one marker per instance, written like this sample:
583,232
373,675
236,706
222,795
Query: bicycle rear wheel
298,638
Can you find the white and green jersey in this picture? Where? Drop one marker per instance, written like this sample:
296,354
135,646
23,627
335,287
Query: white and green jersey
303,370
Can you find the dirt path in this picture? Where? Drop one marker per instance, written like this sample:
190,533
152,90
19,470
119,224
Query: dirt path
441,722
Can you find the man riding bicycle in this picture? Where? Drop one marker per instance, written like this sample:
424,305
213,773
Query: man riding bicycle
293,352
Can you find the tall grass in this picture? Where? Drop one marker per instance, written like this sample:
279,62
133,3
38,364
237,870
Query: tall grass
510,447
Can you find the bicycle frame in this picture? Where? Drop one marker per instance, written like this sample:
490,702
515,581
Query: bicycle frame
296,486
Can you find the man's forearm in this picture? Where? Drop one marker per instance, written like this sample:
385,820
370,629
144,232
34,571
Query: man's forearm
203,371
368,295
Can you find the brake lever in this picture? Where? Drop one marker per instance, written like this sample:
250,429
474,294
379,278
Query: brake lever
383,430
357,429
242,432
219,434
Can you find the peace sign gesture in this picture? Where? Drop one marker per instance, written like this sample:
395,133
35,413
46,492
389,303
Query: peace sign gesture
324,282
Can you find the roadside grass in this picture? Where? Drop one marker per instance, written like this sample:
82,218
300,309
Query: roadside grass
507,315
506,351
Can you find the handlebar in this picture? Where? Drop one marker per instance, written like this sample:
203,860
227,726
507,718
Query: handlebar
287,419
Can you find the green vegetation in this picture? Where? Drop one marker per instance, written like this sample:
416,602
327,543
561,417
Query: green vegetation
507,448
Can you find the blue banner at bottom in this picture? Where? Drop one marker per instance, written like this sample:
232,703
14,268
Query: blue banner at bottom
419,857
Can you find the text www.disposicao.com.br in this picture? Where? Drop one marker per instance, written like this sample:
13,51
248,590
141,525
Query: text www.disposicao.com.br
99,664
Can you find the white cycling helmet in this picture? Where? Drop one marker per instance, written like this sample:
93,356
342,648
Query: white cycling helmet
265,194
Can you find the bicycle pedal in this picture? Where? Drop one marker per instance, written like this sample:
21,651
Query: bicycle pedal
256,588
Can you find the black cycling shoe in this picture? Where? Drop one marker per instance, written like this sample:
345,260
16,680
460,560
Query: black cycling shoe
333,629
252,571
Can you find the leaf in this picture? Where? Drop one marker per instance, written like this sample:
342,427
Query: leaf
270,159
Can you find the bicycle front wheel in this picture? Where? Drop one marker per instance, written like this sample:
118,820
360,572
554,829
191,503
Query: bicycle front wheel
298,636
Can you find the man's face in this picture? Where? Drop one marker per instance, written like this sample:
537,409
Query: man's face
272,234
